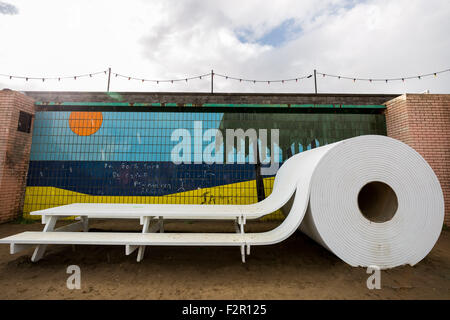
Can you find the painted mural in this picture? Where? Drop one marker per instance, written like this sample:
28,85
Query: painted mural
126,157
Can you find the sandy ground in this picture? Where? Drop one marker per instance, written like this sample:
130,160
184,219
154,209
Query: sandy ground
297,268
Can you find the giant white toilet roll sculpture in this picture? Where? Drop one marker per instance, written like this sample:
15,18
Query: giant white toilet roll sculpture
374,201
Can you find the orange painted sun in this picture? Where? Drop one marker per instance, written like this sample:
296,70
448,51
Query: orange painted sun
85,123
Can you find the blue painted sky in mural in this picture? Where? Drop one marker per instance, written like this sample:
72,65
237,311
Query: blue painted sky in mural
123,136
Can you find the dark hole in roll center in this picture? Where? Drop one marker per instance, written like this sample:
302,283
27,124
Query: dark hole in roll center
377,201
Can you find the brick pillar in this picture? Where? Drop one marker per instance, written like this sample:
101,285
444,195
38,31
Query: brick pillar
423,122
15,145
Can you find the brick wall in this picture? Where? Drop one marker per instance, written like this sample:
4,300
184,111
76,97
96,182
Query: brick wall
14,153
423,122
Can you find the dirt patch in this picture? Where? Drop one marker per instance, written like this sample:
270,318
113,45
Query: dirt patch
297,268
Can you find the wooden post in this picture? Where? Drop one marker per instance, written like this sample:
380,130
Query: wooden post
212,81
109,79
315,80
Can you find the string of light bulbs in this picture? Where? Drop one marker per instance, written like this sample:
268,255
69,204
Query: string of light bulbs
224,76
419,77
259,81
157,81
59,78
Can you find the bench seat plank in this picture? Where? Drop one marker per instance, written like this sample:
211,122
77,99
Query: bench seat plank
122,238
136,211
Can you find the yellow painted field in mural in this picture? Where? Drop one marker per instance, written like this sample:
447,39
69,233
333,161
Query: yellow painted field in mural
38,198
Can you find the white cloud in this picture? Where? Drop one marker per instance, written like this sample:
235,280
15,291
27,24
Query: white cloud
6,8
168,38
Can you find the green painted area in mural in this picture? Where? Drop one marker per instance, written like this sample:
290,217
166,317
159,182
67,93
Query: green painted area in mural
299,132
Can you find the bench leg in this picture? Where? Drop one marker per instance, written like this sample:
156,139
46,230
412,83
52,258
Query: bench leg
129,249
38,252
141,249
239,226
140,255
40,249
85,222
17,247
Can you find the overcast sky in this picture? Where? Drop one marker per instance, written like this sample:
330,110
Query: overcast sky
163,39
